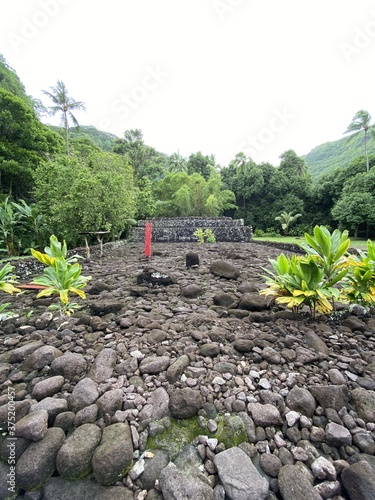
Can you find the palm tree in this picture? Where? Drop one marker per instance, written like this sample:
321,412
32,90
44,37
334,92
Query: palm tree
361,121
176,163
64,104
286,219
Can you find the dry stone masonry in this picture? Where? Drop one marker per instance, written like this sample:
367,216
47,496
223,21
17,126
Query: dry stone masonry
190,387
181,229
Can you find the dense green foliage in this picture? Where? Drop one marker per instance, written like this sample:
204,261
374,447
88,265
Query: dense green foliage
103,182
104,140
86,195
324,275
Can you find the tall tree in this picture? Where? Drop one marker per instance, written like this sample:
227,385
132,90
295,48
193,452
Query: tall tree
24,142
63,103
176,163
361,122
145,160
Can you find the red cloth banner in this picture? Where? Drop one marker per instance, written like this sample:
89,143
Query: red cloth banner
148,236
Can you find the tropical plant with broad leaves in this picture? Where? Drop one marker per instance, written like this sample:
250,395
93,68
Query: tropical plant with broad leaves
286,219
7,282
62,276
299,281
328,250
359,286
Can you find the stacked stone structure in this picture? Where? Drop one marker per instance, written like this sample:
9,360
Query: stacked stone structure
181,229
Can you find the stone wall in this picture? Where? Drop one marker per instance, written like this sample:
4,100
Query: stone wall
179,229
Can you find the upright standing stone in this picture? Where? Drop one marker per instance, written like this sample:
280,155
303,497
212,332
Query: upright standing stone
192,259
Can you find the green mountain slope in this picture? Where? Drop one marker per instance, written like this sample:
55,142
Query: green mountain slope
330,155
104,140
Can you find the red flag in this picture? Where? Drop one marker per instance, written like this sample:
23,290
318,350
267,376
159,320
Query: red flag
148,236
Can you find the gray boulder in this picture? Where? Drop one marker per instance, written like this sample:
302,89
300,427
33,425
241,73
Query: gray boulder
41,357
301,400
240,478
294,484
185,403
60,489
110,401
363,401
74,457
177,368
84,394
224,269
114,454
175,485
33,426
154,364
38,462
103,365
48,387
359,481
69,365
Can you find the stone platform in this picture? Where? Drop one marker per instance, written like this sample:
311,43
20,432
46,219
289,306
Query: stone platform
181,229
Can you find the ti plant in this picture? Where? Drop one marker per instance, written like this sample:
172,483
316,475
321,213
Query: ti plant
7,283
299,281
62,276
359,287
328,250
310,280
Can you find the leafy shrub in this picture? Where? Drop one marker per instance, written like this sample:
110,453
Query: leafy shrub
259,232
7,283
359,287
61,276
206,236
299,281
311,279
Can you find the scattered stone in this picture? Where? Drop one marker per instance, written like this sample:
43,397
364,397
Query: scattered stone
38,462
240,478
359,481
294,484
114,454
224,270
33,426
175,485
103,365
74,457
84,394
47,387
185,403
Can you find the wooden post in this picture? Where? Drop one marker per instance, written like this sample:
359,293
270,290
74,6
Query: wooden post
87,249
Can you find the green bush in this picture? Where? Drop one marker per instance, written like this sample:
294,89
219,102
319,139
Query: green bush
326,273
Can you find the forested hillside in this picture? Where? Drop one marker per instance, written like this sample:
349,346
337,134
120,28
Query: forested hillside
104,140
330,155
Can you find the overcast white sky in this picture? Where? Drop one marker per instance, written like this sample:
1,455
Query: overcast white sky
217,76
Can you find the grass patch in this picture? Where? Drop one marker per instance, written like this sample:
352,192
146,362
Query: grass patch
296,240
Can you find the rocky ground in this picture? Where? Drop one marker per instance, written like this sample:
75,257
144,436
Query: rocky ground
179,381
